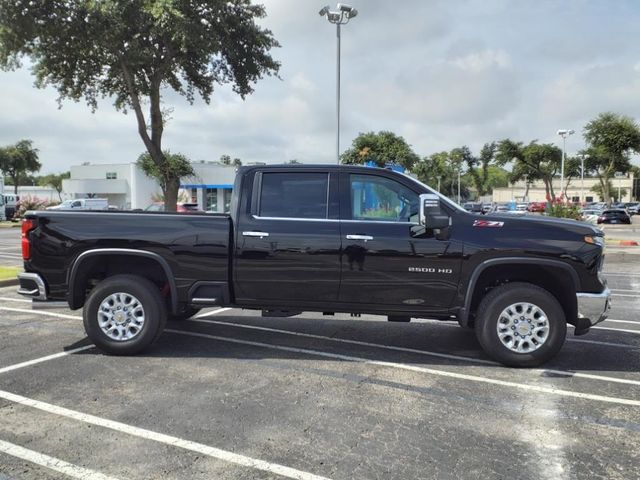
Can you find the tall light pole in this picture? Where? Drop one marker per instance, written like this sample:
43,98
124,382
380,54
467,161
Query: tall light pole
582,178
340,16
459,170
564,134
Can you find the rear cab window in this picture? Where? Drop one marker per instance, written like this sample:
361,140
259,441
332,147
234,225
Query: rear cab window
303,195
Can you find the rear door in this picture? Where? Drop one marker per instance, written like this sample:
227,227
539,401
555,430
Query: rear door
288,239
382,264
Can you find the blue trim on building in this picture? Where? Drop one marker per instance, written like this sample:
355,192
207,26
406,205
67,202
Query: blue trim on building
201,185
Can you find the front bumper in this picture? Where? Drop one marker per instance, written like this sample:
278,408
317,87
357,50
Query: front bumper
593,308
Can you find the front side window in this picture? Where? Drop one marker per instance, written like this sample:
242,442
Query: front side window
294,195
377,198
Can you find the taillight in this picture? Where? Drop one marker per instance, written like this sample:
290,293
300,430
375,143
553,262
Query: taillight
27,226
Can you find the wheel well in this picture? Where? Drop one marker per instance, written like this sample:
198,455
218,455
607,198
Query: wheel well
555,280
96,268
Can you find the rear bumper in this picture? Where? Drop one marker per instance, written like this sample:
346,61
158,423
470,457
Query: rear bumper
593,308
32,285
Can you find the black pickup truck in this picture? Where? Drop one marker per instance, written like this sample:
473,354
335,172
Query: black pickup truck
325,239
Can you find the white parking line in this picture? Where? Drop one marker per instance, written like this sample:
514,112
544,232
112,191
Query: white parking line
431,371
18,300
38,312
203,449
635,322
617,329
624,295
44,359
566,373
60,466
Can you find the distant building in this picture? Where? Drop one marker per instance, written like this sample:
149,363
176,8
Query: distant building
126,186
576,192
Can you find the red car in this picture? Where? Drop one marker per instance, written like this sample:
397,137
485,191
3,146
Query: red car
537,206
181,207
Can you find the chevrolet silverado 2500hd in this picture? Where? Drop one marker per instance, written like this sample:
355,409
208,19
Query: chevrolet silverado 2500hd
325,239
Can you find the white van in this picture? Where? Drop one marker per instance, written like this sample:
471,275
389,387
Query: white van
82,204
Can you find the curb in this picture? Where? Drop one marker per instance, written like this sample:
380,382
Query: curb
9,282
628,243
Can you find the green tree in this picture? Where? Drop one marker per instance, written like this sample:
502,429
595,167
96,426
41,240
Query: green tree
226,160
18,161
54,180
175,164
535,161
478,167
611,139
440,172
613,191
381,148
131,51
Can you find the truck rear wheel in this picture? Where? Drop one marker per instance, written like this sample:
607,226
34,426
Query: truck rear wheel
124,314
520,325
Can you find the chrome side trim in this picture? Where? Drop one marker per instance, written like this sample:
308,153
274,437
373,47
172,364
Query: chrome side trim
39,293
204,300
594,306
296,219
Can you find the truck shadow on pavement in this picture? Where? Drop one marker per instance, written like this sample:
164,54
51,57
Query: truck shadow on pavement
432,343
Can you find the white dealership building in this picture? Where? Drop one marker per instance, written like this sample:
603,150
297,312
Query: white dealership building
127,187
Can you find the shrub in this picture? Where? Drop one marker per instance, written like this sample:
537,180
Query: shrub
29,203
563,210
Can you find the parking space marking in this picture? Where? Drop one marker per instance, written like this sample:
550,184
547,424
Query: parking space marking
38,312
566,373
617,329
415,368
36,361
17,300
636,322
624,295
201,448
52,463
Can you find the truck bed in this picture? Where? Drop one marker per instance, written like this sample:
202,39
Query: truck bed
195,246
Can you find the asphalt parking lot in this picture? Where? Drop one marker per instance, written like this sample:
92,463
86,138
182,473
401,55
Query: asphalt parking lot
231,395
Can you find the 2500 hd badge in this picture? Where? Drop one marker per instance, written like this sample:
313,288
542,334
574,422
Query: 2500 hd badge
430,270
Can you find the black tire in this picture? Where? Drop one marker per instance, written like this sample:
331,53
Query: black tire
148,295
496,301
184,314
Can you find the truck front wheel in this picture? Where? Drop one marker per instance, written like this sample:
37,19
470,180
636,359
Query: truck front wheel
124,314
520,325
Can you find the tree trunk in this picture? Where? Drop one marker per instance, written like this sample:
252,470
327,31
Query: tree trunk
170,192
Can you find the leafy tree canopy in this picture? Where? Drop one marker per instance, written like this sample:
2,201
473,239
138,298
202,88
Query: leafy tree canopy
381,148
130,50
18,161
54,180
175,165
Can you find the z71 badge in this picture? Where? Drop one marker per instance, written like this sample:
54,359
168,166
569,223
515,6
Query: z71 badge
488,223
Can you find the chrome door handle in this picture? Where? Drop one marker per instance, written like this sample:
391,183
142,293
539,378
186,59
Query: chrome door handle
359,237
255,234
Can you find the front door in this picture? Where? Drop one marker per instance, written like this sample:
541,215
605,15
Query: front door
382,264
288,243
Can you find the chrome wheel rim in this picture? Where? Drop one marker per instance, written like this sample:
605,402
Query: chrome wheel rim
121,316
523,327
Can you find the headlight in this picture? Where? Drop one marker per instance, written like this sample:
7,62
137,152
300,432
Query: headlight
595,240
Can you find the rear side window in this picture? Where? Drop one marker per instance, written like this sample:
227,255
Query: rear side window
294,195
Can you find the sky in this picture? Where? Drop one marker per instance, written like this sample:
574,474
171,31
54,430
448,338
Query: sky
442,74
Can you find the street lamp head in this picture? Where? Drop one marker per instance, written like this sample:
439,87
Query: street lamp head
343,7
334,17
566,132
352,13
324,10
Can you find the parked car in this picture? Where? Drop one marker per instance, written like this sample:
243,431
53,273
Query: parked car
10,204
181,207
500,209
383,243
614,216
632,208
590,215
82,204
486,208
473,207
537,206
521,207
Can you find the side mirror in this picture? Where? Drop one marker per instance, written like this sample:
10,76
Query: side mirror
431,216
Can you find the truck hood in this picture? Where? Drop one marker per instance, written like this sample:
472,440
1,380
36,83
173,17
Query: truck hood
574,226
